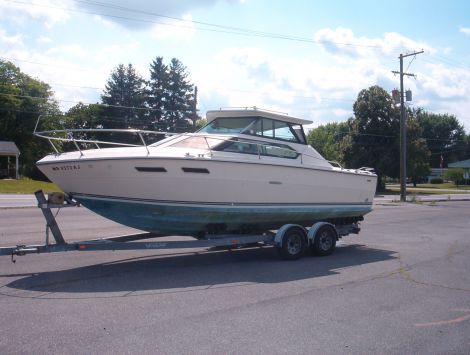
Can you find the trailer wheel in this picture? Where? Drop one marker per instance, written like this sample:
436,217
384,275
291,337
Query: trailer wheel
324,242
293,244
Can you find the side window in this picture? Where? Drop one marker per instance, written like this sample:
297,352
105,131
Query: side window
268,128
256,129
271,150
280,151
242,147
284,131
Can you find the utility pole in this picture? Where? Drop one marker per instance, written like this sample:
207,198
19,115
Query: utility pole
403,126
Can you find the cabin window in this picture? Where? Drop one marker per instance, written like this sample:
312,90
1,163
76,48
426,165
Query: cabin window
268,128
279,151
243,147
254,148
256,126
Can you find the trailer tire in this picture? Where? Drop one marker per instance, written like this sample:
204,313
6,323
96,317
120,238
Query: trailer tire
293,243
324,242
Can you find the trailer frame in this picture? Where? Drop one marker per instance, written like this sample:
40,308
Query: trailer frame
291,240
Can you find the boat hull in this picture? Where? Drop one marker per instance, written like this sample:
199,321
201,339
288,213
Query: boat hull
176,218
196,195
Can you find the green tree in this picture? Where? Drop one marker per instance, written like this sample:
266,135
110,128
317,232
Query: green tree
85,116
157,93
178,104
455,175
22,101
372,140
326,139
444,135
201,123
125,96
418,154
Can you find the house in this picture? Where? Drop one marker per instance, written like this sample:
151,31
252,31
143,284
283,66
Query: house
8,150
436,173
465,165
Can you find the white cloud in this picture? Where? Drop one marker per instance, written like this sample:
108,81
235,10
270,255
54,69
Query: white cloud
72,51
177,30
325,90
319,86
104,21
62,67
444,89
343,41
250,77
43,40
446,83
144,14
465,30
10,40
51,11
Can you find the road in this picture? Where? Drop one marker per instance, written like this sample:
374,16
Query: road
17,200
401,286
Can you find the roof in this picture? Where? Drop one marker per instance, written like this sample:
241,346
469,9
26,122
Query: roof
460,164
8,148
251,112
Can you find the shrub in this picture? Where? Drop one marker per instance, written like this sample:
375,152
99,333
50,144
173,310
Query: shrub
455,175
437,181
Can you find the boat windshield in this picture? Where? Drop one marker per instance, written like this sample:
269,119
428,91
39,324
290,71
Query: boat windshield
198,142
228,125
256,126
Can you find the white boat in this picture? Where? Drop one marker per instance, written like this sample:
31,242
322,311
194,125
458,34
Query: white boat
247,170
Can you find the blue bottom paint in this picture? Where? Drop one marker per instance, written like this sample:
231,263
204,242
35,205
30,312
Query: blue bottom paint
191,220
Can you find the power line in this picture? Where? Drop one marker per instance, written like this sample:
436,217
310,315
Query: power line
263,93
211,27
105,118
435,59
85,103
127,9
409,64
48,65
108,118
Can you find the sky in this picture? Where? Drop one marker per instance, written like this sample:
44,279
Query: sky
307,58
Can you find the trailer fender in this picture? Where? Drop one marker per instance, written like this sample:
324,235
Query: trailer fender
282,231
314,229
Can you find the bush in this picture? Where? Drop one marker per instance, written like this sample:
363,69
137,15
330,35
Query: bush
455,175
437,181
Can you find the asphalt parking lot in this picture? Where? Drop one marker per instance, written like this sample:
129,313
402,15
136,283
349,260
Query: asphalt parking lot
402,286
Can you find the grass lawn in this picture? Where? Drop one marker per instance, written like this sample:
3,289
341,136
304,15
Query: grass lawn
26,186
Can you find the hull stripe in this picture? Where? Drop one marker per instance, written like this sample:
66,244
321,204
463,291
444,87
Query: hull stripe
224,204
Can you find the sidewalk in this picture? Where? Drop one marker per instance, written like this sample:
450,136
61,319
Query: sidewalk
412,197
17,200
410,189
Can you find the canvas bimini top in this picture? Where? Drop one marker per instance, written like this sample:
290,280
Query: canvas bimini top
251,112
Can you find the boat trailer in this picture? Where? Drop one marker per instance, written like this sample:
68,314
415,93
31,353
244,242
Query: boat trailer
291,240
